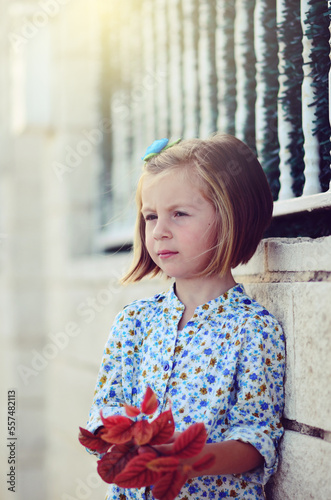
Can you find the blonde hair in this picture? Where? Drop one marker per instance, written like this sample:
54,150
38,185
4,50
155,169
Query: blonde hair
233,180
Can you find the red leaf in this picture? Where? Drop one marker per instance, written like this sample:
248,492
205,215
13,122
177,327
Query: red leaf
131,411
93,442
150,402
205,462
110,422
163,464
136,474
168,487
142,432
115,461
191,441
118,429
163,428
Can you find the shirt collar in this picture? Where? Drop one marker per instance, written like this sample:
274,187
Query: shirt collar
234,294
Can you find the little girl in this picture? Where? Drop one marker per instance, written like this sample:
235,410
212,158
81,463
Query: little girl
218,355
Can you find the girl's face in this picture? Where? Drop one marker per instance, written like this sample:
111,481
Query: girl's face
179,222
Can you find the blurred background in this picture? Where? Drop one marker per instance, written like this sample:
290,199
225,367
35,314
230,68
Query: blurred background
85,87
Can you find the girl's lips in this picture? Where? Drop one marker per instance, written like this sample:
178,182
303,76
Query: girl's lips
167,255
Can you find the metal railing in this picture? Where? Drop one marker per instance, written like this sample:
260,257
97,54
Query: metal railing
257,69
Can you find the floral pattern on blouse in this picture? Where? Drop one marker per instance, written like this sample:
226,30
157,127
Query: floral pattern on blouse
225,368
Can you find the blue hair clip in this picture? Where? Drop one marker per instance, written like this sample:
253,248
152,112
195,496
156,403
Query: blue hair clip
158,146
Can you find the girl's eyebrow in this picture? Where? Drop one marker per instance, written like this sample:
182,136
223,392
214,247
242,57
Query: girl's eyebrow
171,207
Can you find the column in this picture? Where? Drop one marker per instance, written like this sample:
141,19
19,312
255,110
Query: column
207,68
149,70
311,144
162,70
190,68
329,9
245,71
122,126
225,66
139,93
285,127
265,43
176,91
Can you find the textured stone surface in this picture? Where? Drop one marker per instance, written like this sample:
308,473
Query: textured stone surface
303,310
304,471
299,254
277,298
312,338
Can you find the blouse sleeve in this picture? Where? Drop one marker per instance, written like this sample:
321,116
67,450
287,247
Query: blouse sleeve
256,415
108,394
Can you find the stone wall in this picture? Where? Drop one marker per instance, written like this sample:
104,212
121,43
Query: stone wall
291,277
48,91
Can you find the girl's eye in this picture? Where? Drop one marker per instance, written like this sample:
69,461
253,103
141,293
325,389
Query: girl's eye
150,217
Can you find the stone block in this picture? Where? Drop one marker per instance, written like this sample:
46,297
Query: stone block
304,471
312,340
303,311
299,254
277,299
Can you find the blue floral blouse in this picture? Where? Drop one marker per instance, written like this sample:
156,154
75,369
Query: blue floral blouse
225,369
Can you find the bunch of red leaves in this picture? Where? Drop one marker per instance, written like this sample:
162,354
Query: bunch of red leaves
130,458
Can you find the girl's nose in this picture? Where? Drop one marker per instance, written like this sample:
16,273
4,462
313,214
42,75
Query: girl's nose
161,230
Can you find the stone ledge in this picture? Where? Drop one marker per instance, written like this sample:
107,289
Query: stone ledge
290,256
299,254
283,277
302,204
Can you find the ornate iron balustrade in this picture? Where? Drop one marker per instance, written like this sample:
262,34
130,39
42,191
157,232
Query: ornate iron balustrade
257,69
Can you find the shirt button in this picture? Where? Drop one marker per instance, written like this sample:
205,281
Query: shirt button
166,367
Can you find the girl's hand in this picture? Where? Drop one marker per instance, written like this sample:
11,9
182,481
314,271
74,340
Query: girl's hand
232,457
166,448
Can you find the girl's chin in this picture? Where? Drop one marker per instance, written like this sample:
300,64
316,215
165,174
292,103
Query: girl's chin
176,275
